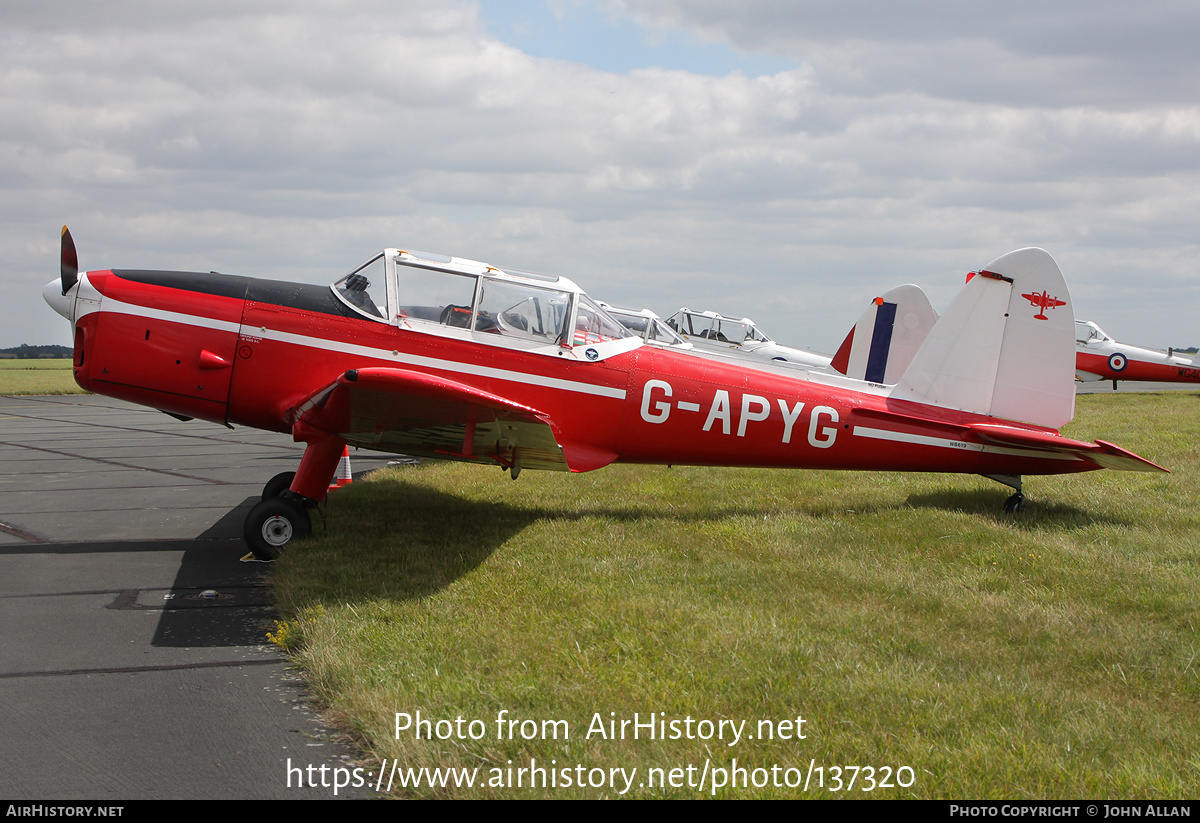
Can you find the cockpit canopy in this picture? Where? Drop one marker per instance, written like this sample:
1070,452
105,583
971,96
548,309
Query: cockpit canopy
708,325
1088,332
417,288
646,325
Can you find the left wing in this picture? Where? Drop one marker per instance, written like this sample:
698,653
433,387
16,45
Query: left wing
409,412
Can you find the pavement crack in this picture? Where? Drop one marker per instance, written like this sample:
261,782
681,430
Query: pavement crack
215,664
15,531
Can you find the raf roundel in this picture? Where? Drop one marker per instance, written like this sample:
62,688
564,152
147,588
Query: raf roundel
1117,361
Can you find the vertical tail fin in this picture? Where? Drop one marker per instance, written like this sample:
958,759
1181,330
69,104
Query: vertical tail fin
886,336
1004,348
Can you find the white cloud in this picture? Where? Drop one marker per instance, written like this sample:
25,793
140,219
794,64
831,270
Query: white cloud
1024,52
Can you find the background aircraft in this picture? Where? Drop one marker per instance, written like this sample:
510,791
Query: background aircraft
1099,357
647,325
715,332
447,358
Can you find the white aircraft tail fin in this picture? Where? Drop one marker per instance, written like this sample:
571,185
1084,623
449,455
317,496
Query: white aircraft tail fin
1004,348
886,337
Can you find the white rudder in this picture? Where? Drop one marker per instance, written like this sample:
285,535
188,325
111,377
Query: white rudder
1004,348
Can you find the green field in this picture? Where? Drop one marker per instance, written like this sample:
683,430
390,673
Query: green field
37,377
926,639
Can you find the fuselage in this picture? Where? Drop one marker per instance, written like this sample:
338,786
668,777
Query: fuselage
247,351
1121,362
1099,357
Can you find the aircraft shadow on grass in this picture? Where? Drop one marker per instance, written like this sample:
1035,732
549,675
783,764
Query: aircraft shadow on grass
1043,516
424,539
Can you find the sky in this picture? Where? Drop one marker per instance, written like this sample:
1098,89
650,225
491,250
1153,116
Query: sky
786,160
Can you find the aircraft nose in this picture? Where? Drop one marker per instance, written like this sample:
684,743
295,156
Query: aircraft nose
58,301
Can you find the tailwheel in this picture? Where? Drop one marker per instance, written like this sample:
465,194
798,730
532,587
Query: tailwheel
1016,503
278,484
274,523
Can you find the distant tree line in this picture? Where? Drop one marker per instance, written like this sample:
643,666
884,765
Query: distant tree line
27,352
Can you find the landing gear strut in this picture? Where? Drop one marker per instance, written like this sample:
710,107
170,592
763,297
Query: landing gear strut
1016,503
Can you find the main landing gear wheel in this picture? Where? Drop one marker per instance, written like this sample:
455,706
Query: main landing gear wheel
1015,504
277,485
274,523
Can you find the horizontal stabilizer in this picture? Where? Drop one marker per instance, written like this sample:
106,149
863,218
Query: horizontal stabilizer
1102,453
1111,456
1010,436
998,436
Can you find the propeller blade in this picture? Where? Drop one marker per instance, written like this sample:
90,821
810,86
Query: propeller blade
70,262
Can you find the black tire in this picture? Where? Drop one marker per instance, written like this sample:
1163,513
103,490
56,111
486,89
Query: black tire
278,484
272,524
1015,504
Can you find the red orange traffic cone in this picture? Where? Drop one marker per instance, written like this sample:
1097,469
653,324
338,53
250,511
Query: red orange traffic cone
343,476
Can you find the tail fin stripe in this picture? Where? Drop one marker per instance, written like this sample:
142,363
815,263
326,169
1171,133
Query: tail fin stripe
881,342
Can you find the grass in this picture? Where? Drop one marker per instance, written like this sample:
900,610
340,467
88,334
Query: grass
904,617
37,377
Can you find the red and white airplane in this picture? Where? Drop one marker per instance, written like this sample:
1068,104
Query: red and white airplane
1099,357
448,358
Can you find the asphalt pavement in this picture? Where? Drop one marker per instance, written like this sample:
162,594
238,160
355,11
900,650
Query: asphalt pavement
133,657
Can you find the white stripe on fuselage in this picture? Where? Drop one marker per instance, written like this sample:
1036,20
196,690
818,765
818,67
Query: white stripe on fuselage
945,443
117,307
325,344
